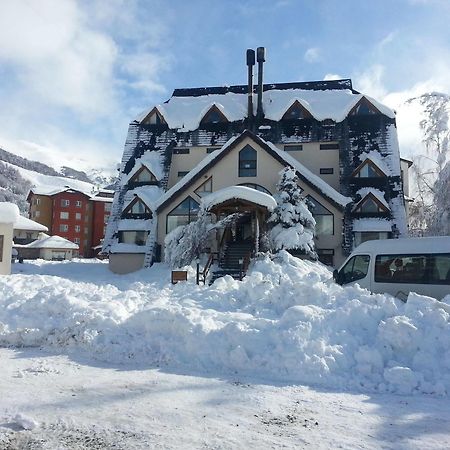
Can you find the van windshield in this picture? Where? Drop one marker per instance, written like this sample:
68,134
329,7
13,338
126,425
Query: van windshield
355,269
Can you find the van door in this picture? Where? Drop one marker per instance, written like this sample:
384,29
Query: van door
355,270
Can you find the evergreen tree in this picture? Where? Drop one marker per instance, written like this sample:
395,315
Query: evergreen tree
294,225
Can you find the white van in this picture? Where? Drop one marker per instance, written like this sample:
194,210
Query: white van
400,266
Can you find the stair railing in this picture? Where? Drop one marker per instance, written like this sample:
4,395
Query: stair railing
244,263
202,275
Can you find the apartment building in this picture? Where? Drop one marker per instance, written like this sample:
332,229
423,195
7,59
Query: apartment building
72,214
343,145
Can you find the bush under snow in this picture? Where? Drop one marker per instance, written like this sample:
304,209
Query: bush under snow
284,322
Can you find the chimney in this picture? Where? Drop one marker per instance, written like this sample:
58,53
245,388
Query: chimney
260,57
250,64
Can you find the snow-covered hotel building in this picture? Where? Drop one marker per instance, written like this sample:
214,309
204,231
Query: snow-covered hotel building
342,144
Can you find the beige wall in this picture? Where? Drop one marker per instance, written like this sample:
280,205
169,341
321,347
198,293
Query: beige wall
123,263
225,174
315,159
47,253
6,230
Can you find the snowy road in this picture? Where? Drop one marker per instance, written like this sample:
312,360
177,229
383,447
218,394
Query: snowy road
81,404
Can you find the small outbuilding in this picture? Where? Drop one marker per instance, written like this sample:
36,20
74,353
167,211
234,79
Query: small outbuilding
52,248
9,213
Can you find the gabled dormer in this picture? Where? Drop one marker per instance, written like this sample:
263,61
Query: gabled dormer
371,205
214,115
137,209
154,117
364,108
368,169
142,177
296,112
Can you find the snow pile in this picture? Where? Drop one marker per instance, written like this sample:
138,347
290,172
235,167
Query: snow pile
284,322
9,212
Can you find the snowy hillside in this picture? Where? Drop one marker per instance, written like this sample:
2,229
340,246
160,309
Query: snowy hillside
286,322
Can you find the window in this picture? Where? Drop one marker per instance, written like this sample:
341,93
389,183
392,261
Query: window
76,240
77,216
180,151
36,214
368,170
364,236
65,202
214,115
212,149
137,209
325,256
295,112
37,201
256,186
133,237
324,218
143,175
78,203
154,118
363,108
182,173
355,269
77,228
86,230
247,162
64,228
64,215
182,214
413,269
329,146
326,171
205,188
293,148
108,207
370,205
2,238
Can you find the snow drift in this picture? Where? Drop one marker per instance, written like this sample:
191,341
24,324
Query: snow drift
286,321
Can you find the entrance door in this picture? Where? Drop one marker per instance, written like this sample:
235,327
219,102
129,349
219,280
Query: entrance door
244,229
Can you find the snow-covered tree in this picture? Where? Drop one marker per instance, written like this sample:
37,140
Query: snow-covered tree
293,224
430,176
439,216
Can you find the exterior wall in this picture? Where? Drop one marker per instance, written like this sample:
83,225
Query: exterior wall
71,234
25,236
6,231
225,173
315,159
49,253
123,263
41,209
99,220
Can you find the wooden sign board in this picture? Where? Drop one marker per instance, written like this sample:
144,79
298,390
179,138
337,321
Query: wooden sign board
179,275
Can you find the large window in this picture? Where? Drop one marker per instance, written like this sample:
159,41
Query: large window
182,214
137,209
205,188
370,205
133,237
368,170
247,162
143,175
324,218
256,187
363,236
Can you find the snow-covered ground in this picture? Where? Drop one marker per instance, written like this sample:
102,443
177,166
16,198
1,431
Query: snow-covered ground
284,358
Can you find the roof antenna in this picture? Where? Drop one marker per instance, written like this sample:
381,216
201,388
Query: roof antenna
260,57
250,64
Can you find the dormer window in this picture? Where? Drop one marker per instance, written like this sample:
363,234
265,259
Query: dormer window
154,117
370,205
363,108
137,209
368,169
296,112
142,177
214,115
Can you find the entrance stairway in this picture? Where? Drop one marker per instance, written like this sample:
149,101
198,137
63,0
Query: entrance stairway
229,263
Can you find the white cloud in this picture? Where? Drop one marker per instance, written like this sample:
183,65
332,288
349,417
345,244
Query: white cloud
370,81
312,55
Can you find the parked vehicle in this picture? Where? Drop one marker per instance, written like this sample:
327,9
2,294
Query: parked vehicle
400,266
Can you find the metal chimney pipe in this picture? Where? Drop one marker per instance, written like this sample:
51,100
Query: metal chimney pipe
250,64
260,57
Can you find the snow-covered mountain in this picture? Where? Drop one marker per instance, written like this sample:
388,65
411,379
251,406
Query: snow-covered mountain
18,175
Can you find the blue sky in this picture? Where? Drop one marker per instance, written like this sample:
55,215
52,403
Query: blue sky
74,73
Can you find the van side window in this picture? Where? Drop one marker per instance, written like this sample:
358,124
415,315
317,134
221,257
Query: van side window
355,269
411,269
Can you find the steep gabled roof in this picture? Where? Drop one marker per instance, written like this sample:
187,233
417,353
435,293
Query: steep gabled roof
303,173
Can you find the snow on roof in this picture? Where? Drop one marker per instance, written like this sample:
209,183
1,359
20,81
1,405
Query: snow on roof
152,160
372,224
102,199
126,248
135,225
322,185
377,159
53,190
150,195
23,223
379,195
406,245
186,113
56,242
239,192
9,212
